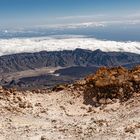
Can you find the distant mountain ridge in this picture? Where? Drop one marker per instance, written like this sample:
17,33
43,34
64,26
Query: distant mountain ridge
66,58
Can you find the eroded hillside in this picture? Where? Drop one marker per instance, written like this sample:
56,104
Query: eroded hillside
102,106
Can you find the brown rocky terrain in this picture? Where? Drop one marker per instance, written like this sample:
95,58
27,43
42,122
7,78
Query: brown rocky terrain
112,83
103,106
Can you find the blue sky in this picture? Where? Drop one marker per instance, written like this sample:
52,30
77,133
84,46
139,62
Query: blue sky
43,12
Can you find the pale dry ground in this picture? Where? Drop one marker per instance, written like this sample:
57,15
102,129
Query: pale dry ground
63,116
29,73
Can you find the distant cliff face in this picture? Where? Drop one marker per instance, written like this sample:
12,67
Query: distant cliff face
78,57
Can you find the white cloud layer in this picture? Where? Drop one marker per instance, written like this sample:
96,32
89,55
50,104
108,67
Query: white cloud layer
73,25
20,45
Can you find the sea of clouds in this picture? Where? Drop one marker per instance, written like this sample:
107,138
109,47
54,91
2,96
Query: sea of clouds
20,45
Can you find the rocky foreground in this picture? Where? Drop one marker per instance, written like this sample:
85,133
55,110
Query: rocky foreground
104,106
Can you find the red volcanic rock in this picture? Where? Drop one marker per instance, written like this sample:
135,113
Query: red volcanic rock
110,83
59,87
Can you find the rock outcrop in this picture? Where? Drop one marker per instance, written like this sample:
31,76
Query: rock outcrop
109,84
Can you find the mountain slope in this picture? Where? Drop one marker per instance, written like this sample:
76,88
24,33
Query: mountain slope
113,110
78,57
